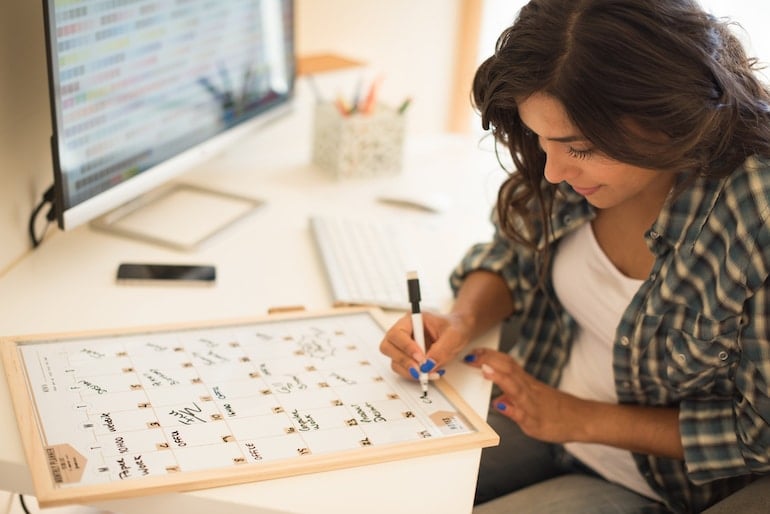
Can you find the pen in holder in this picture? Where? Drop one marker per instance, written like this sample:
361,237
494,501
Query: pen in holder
352,144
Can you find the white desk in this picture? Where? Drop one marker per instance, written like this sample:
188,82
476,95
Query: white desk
268,260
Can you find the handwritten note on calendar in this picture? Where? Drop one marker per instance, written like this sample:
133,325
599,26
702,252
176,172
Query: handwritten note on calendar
180,408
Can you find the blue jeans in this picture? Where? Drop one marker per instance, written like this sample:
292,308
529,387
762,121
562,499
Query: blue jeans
524,475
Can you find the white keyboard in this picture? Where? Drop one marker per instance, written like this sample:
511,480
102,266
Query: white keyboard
365,262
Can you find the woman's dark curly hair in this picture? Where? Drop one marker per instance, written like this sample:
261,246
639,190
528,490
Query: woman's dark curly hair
664,67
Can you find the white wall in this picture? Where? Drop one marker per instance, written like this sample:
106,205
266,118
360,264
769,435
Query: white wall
25,162
753,19
410,42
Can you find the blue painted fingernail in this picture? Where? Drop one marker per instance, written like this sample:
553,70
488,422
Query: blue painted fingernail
428,366
469,358
500,406
415,374
441,372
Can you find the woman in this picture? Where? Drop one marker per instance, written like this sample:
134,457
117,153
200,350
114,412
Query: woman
632,247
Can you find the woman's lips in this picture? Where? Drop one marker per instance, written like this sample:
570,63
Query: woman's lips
586,191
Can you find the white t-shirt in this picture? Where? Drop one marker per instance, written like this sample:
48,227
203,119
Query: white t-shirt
595,293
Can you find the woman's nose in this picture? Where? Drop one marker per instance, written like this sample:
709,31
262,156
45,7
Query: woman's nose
558,169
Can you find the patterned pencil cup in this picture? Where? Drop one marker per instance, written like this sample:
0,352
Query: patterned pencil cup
357,144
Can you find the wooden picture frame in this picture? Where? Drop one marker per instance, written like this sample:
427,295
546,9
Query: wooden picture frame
124,413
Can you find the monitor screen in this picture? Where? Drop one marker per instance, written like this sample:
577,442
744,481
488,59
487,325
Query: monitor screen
141,90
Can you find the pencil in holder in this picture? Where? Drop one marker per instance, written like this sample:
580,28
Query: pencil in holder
355,144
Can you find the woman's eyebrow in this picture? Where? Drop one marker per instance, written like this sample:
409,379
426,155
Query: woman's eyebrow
567,139
562,139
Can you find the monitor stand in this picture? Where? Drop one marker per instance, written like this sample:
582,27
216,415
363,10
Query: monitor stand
180,216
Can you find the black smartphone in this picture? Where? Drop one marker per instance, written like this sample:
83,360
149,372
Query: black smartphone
192,274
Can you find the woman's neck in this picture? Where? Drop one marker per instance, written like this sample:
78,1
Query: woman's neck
620,230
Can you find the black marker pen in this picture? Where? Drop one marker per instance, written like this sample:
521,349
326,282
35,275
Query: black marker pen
418,331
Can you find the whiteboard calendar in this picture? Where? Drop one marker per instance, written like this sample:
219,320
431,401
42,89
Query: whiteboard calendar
114,415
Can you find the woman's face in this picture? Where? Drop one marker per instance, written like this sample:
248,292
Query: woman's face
570,158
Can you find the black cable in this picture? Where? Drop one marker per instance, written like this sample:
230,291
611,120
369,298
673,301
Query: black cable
23,504
48,198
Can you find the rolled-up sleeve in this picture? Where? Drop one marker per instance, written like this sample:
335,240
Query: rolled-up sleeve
497,256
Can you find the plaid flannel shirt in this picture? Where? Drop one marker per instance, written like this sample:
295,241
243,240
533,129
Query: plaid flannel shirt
696,335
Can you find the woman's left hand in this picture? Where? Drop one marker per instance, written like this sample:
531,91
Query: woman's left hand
542,412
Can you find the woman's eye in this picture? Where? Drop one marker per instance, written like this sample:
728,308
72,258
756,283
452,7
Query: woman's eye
579,154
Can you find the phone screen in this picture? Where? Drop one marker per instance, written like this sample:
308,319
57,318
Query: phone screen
167,273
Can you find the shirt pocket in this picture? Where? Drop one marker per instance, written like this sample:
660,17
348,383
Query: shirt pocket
699,352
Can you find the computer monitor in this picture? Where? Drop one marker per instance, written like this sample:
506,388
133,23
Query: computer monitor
143,90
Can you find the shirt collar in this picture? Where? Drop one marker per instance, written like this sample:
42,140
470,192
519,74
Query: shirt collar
686,211
570,210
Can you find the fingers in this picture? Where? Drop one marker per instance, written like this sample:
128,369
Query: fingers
509,408
499,361
438,355
541,411
519,400
400,347
513,385
444,342
504,371
407,358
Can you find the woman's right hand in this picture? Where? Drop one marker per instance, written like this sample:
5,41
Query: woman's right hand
482,301
445,337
